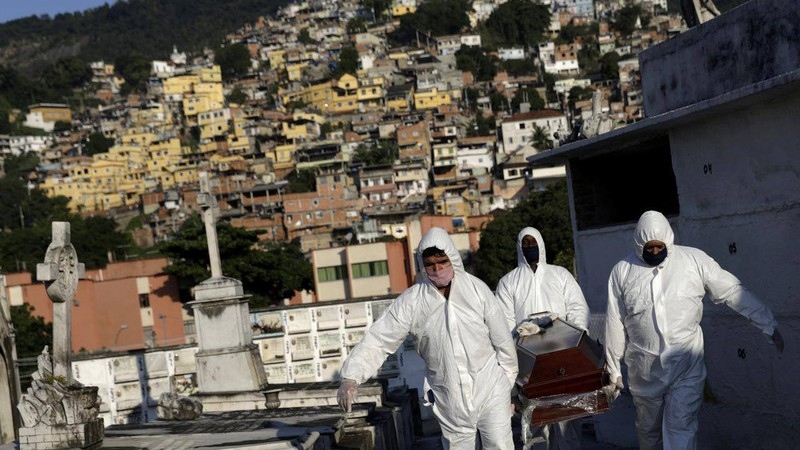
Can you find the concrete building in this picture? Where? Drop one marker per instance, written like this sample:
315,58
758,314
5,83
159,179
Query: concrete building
721,101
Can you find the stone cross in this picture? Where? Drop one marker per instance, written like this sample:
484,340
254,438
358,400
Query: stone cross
60,273
208,203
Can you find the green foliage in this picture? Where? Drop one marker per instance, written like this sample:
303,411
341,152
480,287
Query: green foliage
237,96
519,22
625,19
356,25
540,139
26,217
609,66
233,60
269,273
377,7
32,333
547,211
348,61
66,74
304,38
301,181
529,94
135,69
98,143
521,67
149,27
578,93
477,61
386,152
482,126
438,17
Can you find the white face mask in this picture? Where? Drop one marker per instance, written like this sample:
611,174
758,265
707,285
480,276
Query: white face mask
442,277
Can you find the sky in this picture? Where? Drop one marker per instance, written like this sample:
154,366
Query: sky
16,9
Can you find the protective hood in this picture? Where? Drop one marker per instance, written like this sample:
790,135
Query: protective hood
521,261
652,226
437,237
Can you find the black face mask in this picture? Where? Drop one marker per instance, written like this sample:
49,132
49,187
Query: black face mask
654,260
531,254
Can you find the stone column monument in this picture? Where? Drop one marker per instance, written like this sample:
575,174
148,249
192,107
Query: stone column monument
56,412
230,373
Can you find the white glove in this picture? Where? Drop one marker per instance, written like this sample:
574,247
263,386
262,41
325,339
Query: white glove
619,384
347,393
528,329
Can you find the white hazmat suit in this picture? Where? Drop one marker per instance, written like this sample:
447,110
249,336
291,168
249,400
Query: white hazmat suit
469,354
523,292
653,321
551,288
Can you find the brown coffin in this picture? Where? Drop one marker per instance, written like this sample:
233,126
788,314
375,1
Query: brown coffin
562,370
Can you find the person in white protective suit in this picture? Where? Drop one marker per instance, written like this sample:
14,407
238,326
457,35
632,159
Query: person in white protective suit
655,304
462,336
535,286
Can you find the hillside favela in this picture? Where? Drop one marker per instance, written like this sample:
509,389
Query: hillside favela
401,225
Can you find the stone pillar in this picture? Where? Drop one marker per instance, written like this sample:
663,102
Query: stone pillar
229,366
56,412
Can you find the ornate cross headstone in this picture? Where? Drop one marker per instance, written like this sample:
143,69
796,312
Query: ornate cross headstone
60,273
56,412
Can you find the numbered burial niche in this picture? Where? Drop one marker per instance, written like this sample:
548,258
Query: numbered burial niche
273,350
304,372
328,317
330,344
277,373
301,347
558,366
355,315
297,321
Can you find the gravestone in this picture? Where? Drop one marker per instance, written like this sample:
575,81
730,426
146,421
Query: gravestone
230,373
57,412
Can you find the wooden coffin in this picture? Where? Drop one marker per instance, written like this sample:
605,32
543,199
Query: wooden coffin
562,362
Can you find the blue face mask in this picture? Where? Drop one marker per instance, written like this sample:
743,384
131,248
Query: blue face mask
531,254
654,260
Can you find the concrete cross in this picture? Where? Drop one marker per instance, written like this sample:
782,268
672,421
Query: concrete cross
208,204
60,273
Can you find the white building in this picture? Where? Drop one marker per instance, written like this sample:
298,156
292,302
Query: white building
512,53
721,138
517,130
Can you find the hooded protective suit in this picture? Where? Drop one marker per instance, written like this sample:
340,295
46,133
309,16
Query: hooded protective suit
470,356
659,310
551,288
523,292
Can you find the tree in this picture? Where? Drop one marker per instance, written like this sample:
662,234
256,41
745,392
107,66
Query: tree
385,152
625,19
135,69
268,272
356,25
438,17
519,22
237,96
98,143
233,60
475,60
304,38
527,94
540,139
301,181
609,65
32,335
547,211
578,93
348,61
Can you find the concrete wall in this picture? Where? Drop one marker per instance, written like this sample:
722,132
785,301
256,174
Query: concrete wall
738,177
306,344
752,43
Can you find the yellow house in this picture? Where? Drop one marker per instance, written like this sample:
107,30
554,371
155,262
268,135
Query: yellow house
402,10
176,87
277,59
431,99
283,157
195,104
345,95
214,123
213,91
238,121
134,137
371,93
52,112
294,72
211,74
